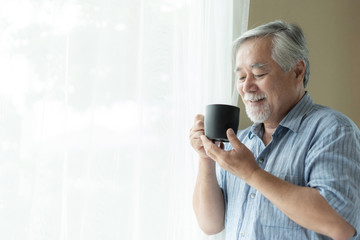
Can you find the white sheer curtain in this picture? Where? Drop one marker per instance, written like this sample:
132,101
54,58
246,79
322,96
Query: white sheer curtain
96,102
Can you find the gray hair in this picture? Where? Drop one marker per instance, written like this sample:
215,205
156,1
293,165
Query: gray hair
289,44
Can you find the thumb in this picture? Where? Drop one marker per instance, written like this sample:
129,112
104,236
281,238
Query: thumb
235,142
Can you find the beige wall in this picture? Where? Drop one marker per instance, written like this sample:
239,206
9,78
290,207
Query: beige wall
332,30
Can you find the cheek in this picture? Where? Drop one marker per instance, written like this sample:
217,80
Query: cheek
239,88
241,93
274,100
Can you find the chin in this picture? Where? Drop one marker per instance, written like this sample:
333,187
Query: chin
257,120
257,116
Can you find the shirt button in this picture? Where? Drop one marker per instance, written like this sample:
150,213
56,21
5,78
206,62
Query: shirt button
252,195
261,160
243,234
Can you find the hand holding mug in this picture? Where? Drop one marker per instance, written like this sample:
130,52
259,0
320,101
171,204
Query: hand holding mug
195,133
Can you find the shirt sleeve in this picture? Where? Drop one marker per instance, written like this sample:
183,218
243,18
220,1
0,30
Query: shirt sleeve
333,167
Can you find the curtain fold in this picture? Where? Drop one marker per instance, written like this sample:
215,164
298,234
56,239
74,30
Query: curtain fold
96,102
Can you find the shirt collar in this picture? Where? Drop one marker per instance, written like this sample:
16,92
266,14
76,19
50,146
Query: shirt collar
292,120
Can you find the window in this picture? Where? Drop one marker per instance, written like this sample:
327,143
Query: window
96,101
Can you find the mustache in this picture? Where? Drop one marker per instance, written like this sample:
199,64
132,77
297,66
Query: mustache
254,97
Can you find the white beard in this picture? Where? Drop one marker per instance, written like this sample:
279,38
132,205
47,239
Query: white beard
257,114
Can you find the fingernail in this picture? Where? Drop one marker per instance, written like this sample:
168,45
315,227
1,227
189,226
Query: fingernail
231,131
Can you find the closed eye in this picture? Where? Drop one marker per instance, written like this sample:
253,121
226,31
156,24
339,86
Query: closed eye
241,79
260,75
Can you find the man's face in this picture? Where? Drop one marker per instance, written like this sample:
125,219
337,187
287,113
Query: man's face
266,90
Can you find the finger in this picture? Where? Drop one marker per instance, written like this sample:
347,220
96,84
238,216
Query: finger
199,124
196,134
196,142
199,117
211,149
197,145
196,129
235,142
195,138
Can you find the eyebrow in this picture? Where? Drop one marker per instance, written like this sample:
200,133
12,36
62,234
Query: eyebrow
254,65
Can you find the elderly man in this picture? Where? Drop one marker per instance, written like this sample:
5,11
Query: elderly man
295,173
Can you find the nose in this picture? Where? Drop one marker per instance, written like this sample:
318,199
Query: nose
249,85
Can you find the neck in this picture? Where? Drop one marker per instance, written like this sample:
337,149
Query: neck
268,132
271,124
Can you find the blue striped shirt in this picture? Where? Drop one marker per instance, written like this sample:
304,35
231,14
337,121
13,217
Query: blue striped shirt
313,146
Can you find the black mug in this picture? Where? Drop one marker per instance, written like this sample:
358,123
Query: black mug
218,119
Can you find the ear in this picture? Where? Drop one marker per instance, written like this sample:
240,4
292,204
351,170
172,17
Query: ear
299,70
